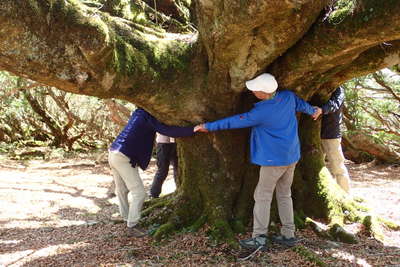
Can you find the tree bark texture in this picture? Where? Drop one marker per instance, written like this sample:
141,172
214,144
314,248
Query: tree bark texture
311,46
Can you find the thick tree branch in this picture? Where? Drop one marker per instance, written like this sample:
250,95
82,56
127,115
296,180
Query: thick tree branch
243,37
80,49
371,60
338,40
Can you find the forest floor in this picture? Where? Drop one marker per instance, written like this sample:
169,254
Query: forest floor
57,213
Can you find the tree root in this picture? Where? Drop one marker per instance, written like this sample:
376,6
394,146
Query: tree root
333,232
156,210
373,227
320,229
164,231
220,231
167,215
340,209
338,233
390,224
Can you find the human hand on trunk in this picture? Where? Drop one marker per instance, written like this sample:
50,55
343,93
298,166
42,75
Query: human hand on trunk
200,128
317,113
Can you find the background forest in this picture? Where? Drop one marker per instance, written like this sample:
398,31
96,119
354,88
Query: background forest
34,116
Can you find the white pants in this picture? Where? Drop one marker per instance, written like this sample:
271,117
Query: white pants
333,151
280,177
127,180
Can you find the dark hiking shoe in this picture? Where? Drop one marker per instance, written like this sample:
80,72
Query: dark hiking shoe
288,242
255,242
135,231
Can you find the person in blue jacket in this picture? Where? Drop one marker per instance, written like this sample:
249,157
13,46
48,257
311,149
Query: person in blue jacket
130,150
274,145
331,138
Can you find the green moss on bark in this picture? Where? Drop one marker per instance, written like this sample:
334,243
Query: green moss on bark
342,9
127,60
221,230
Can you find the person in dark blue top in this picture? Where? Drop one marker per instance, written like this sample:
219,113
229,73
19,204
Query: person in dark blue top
331,138
132,149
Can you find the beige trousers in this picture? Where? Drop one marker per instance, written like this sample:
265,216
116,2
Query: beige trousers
281,178
333,151
127,180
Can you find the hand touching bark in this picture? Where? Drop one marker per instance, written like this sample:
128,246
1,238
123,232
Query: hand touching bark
317,113
200,128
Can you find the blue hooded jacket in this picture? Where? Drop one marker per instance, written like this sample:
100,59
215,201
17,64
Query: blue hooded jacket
137,138
274,139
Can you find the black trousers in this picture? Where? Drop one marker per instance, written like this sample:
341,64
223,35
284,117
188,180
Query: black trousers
166,155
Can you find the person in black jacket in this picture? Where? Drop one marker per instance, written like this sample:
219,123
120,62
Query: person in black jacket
166,155
331,138
131,150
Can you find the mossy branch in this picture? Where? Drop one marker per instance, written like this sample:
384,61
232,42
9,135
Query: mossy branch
337,41
47,41
383,55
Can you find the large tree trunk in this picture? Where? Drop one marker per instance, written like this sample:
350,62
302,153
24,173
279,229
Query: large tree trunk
217,177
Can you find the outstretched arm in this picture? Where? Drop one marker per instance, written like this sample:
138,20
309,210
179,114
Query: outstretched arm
172,131
305,107
244,120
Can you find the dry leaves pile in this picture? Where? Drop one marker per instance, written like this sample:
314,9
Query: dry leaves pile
57,214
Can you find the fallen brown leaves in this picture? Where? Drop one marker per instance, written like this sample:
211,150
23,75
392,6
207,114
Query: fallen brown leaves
59,216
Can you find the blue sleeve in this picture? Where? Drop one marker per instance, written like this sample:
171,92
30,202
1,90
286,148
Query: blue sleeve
172,131
303,106
334,102
249,119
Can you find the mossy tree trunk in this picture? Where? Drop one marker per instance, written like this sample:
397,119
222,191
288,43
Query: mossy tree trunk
186,78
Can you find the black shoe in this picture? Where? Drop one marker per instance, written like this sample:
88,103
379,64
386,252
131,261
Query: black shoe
251,246
255,242
288,242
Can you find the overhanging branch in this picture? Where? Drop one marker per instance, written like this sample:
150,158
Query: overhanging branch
371,60
80,49
333,44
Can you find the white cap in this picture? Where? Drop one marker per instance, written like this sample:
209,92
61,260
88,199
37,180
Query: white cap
264,82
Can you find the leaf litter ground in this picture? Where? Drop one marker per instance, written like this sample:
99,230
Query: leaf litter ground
57,213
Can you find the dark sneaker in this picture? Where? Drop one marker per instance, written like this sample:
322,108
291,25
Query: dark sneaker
255,242
282,240
135,232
